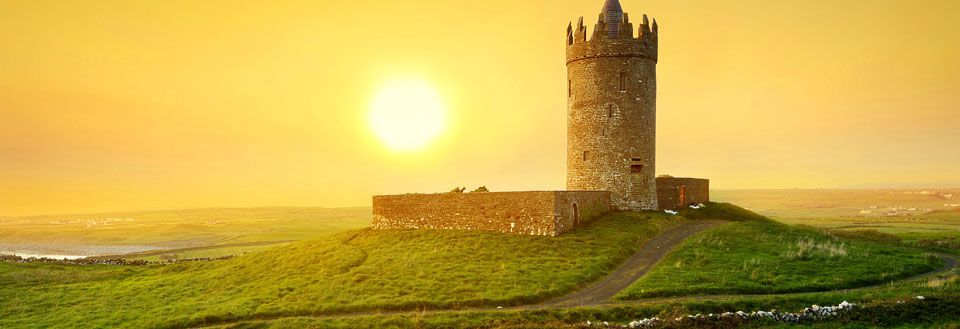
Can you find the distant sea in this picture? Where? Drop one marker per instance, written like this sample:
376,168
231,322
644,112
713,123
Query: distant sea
66,251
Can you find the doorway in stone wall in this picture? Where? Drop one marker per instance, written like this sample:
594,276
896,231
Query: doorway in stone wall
576,216
683,195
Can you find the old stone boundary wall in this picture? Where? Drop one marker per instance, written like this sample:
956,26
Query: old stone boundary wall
695,190
532,213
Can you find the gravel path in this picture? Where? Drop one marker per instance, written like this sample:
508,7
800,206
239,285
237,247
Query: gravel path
632,269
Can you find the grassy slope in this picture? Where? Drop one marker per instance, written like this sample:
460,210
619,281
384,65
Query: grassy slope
759,255
883,302
355,270
942,305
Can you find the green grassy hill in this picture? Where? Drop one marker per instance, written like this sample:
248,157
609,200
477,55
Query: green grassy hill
361,270
761,256
355,270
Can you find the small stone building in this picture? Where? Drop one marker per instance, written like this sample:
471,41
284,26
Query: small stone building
675,193
611,146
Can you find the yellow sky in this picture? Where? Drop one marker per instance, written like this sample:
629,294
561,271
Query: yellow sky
114,105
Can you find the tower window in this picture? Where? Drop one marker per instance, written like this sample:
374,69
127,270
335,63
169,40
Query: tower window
610,111
636,169
586,154
623,81
569,88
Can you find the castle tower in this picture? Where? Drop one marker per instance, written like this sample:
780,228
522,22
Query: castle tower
612,107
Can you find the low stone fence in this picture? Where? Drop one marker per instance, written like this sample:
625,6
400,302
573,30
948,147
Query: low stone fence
532,213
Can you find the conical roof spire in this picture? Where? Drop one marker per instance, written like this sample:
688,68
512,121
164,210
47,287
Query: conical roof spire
612,6
612,14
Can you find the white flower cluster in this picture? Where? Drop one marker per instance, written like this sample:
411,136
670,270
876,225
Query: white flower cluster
643,323
604,323
671,212
810,313
698,206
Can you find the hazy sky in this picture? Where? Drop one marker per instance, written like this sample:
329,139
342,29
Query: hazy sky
116,105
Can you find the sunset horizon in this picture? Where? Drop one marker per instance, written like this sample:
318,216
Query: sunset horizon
113,106
438,164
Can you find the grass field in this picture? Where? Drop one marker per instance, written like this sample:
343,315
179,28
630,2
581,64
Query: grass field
364,269
926,218
355,270
887,306
201,232
762,256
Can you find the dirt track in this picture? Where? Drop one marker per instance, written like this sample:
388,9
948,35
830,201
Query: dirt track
632,269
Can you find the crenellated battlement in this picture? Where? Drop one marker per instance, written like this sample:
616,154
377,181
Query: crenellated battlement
612,38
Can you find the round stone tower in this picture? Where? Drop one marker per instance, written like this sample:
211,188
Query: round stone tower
612,107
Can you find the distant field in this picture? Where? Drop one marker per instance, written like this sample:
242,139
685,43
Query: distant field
175,233
889,211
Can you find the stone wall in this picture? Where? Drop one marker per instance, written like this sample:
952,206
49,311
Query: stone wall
533,213
695,190
612,107
590,204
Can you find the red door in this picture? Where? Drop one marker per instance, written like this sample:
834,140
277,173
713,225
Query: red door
683,195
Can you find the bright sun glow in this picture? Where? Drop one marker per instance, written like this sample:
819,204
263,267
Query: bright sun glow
407,114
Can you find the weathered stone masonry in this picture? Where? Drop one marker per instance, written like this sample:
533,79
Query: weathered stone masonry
533,213
612,108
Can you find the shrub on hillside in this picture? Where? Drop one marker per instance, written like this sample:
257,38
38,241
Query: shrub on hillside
808,248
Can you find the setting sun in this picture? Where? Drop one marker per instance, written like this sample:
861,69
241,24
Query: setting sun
407,114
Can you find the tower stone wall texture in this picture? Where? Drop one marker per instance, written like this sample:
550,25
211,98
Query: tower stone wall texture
612,107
